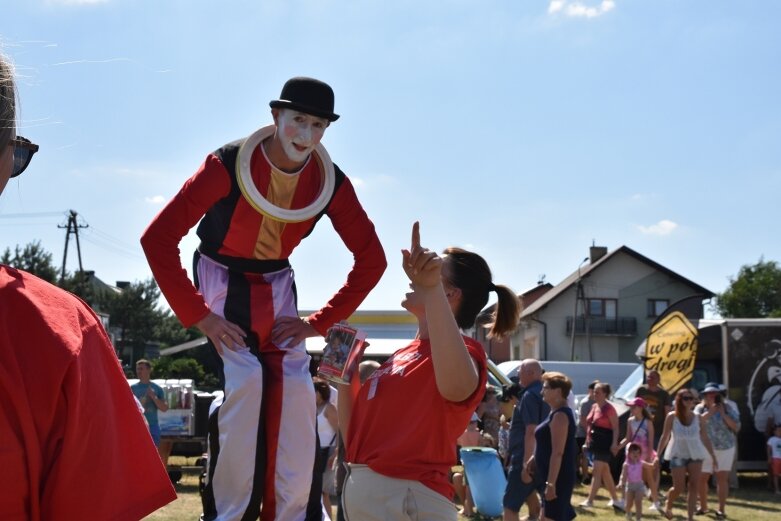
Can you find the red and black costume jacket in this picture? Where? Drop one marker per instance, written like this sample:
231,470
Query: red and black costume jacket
233,233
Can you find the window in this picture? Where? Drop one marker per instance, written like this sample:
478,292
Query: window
657,306
602,307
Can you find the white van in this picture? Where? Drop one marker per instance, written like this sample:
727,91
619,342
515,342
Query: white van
581,373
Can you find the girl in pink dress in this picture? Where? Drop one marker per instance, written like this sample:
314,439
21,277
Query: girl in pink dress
640,430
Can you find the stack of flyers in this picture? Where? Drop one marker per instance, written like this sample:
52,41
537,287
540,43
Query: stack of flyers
342,352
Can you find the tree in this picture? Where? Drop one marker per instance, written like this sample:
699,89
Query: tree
36,260
134,312
754,293
169,331
169,367
79,284
184,367
33,259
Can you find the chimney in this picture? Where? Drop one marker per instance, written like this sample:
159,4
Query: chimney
596,252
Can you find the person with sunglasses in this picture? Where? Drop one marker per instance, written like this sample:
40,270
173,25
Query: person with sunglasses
23,153
69,419
685,445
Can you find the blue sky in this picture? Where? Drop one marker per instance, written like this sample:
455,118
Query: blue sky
524,130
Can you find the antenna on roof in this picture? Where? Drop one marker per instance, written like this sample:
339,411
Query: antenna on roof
541,279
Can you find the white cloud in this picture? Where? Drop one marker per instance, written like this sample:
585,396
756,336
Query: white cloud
663,227
555,6
155,199
578,9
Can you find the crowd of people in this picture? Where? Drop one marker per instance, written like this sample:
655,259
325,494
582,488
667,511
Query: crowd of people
548,448
696,441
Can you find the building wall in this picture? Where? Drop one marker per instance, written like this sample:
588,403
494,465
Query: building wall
634,300
624,278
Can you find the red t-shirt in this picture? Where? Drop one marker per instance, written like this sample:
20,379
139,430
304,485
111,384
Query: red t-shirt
402,427
72,442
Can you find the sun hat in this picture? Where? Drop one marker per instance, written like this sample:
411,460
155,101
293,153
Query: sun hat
637,401
711,387
307,95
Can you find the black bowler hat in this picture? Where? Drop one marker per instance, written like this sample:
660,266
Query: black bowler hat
307,95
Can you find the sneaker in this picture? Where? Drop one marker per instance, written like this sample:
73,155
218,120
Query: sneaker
617,504
655,507
587,504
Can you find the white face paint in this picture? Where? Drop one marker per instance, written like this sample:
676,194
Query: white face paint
299,133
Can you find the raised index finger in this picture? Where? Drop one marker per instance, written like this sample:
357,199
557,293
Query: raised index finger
415,236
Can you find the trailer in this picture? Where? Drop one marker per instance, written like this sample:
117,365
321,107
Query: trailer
747,355
743,354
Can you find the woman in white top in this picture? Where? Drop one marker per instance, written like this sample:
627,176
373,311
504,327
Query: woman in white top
685,444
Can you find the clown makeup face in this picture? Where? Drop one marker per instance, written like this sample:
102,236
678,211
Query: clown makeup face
299,133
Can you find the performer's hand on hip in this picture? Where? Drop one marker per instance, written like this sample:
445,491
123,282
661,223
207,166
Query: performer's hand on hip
221,332
293,329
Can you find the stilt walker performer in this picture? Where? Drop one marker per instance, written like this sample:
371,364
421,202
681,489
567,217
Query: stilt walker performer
256,199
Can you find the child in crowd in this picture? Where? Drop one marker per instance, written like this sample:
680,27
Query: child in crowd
471,435
774,456
632,477
504,438
640,431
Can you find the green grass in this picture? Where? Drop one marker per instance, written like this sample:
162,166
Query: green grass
751,502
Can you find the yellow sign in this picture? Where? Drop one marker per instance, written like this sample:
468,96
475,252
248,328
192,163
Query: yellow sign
671,348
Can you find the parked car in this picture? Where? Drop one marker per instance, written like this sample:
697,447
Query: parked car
581,373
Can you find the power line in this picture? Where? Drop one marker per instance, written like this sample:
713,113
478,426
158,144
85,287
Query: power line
32,214
107,241
27,224
107,246
110,238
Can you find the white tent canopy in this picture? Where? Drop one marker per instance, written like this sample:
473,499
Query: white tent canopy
314,345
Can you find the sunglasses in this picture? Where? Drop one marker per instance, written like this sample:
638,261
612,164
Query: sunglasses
687,398
23,153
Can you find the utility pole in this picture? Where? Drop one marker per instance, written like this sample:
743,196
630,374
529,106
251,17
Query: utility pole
72,228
